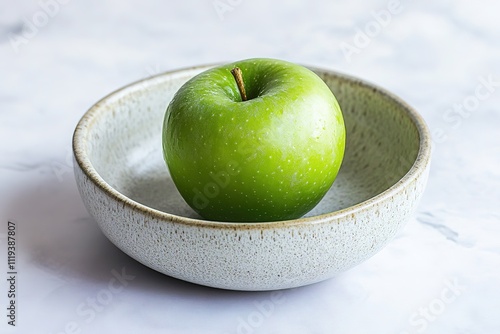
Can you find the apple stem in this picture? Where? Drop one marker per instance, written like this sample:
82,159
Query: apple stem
237,74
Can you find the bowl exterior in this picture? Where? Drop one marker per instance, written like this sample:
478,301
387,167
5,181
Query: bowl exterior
251,257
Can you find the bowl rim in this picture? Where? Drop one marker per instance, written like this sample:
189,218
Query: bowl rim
418,167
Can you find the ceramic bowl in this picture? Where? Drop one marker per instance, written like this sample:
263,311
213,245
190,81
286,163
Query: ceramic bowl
126,187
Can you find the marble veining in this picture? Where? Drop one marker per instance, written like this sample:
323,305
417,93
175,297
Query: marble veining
439,275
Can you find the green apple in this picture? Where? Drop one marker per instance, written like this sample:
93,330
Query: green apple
252,141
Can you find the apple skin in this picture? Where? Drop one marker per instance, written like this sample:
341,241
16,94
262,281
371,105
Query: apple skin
272,157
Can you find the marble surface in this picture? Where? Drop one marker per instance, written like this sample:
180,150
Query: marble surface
441,274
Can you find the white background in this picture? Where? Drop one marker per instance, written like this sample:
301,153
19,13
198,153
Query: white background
441,274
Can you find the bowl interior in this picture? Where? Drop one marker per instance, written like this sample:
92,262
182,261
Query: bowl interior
124,143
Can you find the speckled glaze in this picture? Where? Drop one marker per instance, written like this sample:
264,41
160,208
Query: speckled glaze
126,187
